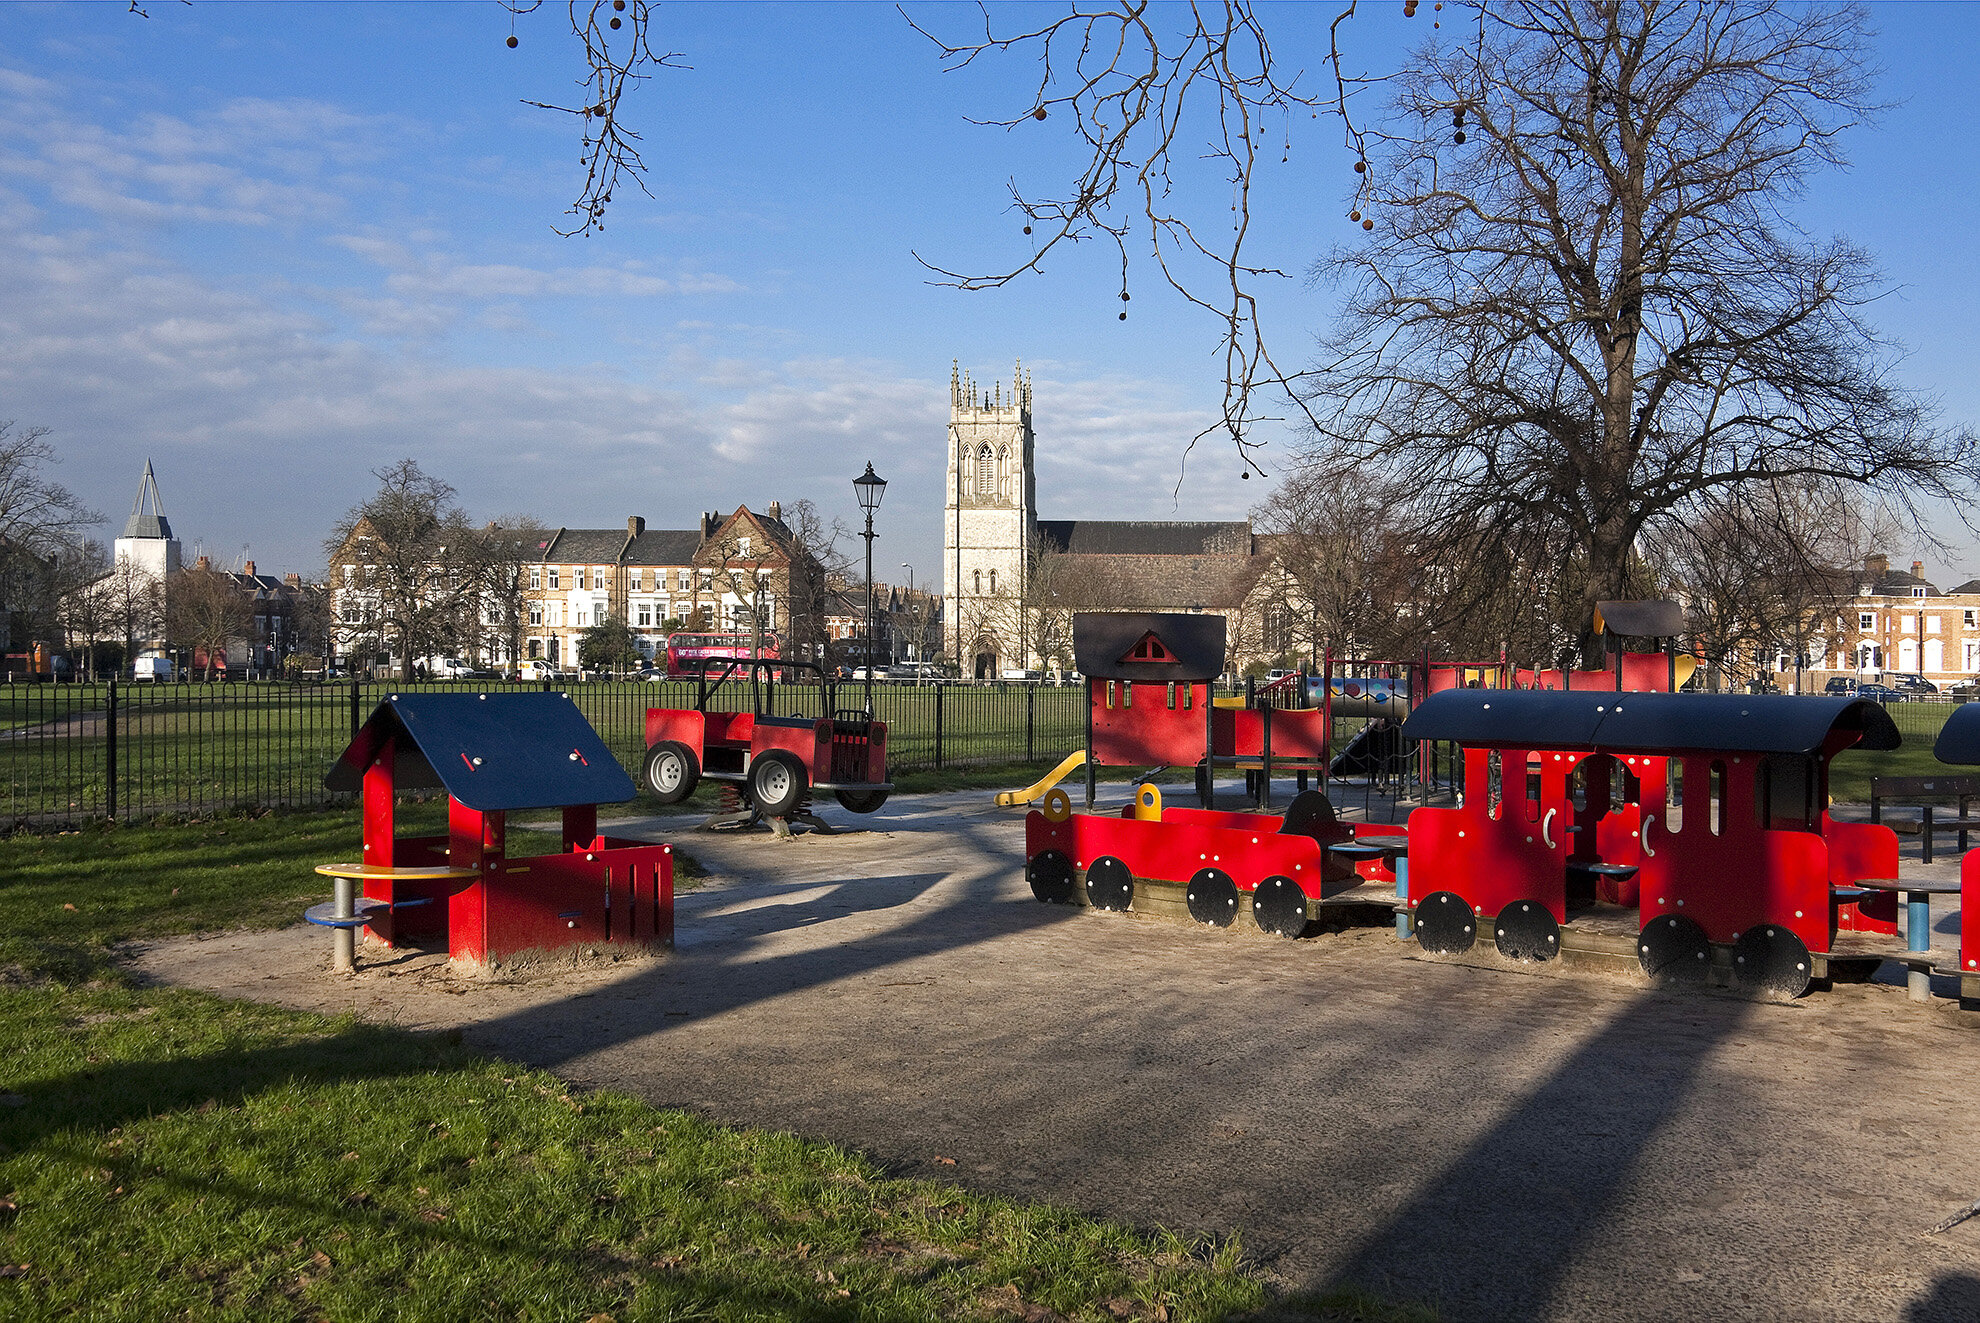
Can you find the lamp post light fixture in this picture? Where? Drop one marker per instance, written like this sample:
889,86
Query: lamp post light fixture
869,487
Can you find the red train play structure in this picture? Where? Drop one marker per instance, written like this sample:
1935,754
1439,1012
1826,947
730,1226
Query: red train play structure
1693,828
493,754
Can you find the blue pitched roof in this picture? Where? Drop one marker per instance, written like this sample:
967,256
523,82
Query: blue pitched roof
1764,723
490,751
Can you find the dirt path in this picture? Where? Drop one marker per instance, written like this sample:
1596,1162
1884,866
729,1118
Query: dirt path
1504,1144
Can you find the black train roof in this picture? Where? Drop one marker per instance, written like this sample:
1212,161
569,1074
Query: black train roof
1104,640
490,751
1959,738
1647,722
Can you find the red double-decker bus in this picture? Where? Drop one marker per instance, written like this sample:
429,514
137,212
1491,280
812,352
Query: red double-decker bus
687,652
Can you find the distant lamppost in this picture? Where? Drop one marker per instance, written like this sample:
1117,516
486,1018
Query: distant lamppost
869,487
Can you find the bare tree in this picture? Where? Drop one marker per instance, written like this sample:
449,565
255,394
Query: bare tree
1583,314
85,610
414,559
504,551
206,610
818,559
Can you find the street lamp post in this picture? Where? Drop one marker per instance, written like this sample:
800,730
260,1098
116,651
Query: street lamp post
869,487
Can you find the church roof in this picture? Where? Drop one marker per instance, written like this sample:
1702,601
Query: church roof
148,523
1108,537
1123,582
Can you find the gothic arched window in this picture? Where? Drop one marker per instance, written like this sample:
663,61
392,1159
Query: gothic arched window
1004,465
979,581
986,472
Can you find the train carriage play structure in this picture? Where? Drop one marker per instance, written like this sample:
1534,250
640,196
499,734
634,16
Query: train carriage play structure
1689,832
492,755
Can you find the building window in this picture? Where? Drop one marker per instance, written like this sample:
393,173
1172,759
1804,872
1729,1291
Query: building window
742,546
993,581
536,647
579,620
1904,624
1866,620
979,580
986,472
635,580
645,616
535,615
1917,592
1967,619
553,576
708,581
1931,624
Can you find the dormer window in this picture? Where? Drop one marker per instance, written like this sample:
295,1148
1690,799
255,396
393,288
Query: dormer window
1917,592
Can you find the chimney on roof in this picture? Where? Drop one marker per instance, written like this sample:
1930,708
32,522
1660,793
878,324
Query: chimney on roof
247,568
775,510
635,526
710,521
1876,567
1918,569
292,580
203,564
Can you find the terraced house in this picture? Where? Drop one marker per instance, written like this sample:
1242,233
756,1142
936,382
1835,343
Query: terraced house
741,573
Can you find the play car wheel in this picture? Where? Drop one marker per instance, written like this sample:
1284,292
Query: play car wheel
1213,897
670,771
776,783
1674,949
860,801
1109,884
1050,873
1526,931
1445,924
1769,959
1279,907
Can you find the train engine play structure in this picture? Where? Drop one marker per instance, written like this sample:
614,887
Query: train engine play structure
492,754
772,762
1688,833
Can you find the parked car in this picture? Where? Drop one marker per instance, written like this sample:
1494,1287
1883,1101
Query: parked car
1966,688
1915,685
1840,685
1882,693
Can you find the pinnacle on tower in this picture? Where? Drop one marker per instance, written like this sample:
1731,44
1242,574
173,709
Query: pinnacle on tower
151,524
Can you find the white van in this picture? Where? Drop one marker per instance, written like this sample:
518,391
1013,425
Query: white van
153,668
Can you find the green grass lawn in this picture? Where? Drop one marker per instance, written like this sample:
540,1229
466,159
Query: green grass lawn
172,1154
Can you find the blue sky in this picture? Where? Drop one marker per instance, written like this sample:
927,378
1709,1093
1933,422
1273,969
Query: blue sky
272,247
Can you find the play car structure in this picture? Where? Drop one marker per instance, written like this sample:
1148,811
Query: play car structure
773,762
492,754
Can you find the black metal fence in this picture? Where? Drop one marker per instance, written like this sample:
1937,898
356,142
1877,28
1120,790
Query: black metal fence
71,753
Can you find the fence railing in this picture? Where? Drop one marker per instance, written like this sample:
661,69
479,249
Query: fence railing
72,753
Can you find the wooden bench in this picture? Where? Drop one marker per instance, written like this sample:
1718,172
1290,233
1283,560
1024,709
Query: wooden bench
1963,789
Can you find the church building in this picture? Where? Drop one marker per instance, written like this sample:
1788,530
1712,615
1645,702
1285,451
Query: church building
1011,580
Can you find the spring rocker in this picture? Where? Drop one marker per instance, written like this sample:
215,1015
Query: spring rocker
492,754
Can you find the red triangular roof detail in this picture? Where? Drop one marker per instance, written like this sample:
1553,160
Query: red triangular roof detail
1148,649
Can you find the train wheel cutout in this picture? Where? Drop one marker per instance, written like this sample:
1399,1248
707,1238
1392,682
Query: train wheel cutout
1279,906
1109,884
1674,949
1050,873
1445,924
1526,931
1769,959
1213,897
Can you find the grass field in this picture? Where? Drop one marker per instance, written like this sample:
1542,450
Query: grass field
171,1154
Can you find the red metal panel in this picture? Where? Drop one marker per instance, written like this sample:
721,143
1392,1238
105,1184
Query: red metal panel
378,825
549,903
1141,729
1299,733
876,751
1492,862
668,723
1859,850
1743,875
1969,913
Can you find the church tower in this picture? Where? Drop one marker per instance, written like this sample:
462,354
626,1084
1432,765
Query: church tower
989,524
147,541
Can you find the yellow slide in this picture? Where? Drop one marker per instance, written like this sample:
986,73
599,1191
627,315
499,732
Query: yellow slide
1073,762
